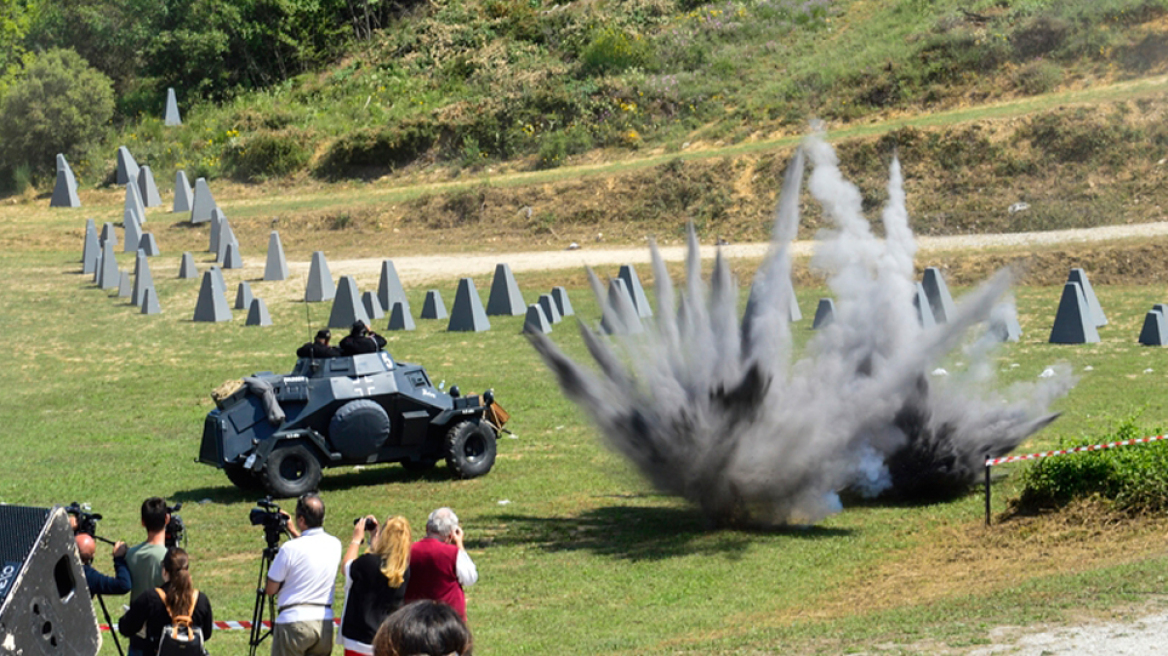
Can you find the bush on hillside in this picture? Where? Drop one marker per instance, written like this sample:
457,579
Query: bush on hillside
613,50
60,105
373,151
268,155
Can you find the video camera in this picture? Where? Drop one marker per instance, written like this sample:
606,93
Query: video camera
269,516
86,521
174,528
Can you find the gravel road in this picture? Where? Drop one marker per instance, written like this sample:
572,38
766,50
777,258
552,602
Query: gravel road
1141,637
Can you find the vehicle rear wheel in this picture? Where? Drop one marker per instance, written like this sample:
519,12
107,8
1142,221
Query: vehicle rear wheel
244,479
470,449
291,471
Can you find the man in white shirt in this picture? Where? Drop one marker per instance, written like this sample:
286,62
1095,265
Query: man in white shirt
304,574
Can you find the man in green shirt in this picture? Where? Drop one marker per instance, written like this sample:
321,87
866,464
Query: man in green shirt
145,560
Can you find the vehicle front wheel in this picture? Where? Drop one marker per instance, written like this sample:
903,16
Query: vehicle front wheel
291,471
470,449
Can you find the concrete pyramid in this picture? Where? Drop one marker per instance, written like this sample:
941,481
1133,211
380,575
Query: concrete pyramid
203,202
183,196
924,310
505,299
125,284
824,314
467,315
257,313
147,188
186,267
150,302
91,248
372,306
232,258
212,304
1080,276
433,307
171,117
549,309
347,306
1155,330
1003,324
133,235
320,281
108,234
277,266
636,291
108,276
217,275
243,296
793,312
65,191
1161,308
399,317
217,221
940,300
97,268
535,321
563,303
149,244
1073,323
389,288
620,315
134,205
143,279
127,167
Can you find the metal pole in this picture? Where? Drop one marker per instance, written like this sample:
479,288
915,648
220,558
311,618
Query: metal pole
987,488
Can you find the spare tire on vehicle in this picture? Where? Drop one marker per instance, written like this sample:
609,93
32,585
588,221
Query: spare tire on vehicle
359,428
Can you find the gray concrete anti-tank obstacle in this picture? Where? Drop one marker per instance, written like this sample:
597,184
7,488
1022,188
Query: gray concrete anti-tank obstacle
1073,323
1155,329
108,277
276,267
203,202
171,117
91,248
216,221
320,282
232,259
505,298
940,300
433,307
824,314
257,313
133,235
134,205
217,275
226,238
186,267
620,315
1005,327
467,315
389,287
243,296
149,244
536,321
125,284
127,167
636,291
65,190
549,309
97,269
924,310
1080,276
372,306
108,234
147,188
563,303
399,317
212,304
183,195
347,306
793,312
150,302
143,279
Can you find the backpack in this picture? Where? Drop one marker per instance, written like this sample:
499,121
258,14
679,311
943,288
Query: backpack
180,638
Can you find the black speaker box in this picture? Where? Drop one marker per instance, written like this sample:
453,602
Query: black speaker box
45,607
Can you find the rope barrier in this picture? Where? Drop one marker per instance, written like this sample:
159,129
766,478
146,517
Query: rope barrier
244,625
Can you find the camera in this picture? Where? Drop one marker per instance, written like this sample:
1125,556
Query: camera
174,528
269,516
86,521
370,525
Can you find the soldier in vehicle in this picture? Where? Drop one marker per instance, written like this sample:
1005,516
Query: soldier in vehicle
319,348
361,340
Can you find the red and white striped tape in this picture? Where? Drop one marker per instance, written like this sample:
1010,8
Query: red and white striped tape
1094,447
230,626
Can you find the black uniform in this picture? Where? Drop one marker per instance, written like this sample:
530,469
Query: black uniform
318,350
369,343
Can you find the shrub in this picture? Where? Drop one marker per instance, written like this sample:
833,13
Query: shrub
1038,77
268,155
375,150
558,146
60,105
613,50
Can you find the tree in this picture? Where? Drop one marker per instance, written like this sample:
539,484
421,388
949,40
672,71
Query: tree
60,105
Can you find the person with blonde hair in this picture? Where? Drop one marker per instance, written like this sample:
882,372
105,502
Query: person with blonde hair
375,583
157,608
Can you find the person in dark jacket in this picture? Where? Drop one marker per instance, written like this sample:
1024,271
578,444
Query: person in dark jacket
319,348
98,583
361,340
154,609
375,583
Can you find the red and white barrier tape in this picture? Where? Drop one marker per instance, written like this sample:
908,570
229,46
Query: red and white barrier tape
1094,447
231,626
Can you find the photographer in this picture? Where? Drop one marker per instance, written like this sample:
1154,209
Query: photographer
304,574
439,566
361,340
375,584
98,583
145,560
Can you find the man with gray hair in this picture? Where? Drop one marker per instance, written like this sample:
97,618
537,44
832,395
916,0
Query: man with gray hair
439,566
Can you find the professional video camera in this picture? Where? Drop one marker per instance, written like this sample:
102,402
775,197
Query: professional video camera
269,516
174,528
86,521
275,523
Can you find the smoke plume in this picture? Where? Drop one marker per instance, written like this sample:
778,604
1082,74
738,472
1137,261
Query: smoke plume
722,413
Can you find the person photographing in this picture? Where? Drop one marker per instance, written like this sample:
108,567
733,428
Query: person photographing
440,568
361,340
375,583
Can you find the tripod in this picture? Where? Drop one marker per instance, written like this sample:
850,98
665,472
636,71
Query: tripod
110,623
258,634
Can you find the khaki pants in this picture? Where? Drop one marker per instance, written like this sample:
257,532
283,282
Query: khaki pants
309,638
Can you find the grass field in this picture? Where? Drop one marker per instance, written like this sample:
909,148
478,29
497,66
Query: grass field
576,554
